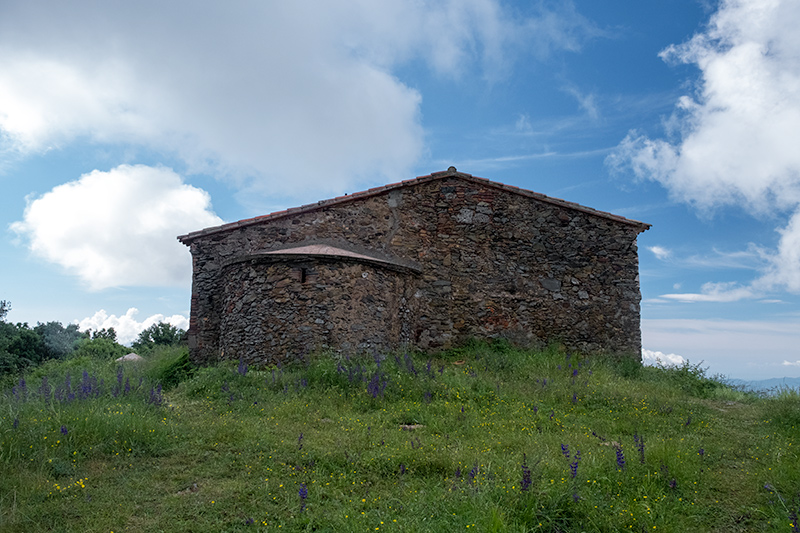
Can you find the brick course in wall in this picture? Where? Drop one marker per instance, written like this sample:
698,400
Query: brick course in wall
425,263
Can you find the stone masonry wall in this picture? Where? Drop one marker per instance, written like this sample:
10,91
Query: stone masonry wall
491,262
277,310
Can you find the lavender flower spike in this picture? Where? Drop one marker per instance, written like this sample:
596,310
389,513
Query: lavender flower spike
525,484
303,493
573,467
620,459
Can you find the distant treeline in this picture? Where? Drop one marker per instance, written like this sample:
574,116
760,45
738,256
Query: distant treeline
23,347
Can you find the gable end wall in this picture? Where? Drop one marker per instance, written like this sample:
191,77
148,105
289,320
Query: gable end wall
489,263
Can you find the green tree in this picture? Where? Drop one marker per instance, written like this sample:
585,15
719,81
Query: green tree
20,347
60,341
110,334
161,334
5,307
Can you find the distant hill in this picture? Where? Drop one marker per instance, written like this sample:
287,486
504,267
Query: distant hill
767,385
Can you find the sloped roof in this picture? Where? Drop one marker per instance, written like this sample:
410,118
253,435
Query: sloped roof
451,172
326,251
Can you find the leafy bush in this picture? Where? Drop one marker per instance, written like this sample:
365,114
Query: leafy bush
690,378
170,365
783,409
99,348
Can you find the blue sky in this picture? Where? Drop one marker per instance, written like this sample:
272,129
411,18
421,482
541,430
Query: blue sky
124,125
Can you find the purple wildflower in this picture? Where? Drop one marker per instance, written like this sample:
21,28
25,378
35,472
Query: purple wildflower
242,367
410,365
525,484
44,390
573,467
16,423
375,387
620,459
303,493
575,497
473,473
688,420
64,430
155,396
565,450
402,469
639,446
701,452
673,483
300,441
86,385
458,473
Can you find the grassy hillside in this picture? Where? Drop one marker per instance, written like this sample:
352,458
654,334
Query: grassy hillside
486,438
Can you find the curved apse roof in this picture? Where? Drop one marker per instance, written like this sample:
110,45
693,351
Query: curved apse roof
326,252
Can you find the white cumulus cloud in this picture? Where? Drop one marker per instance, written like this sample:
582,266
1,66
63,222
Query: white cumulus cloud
653,358
118,228
285,97
660,252
126,326
734,140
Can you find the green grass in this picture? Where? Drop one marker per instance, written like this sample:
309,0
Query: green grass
226,448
